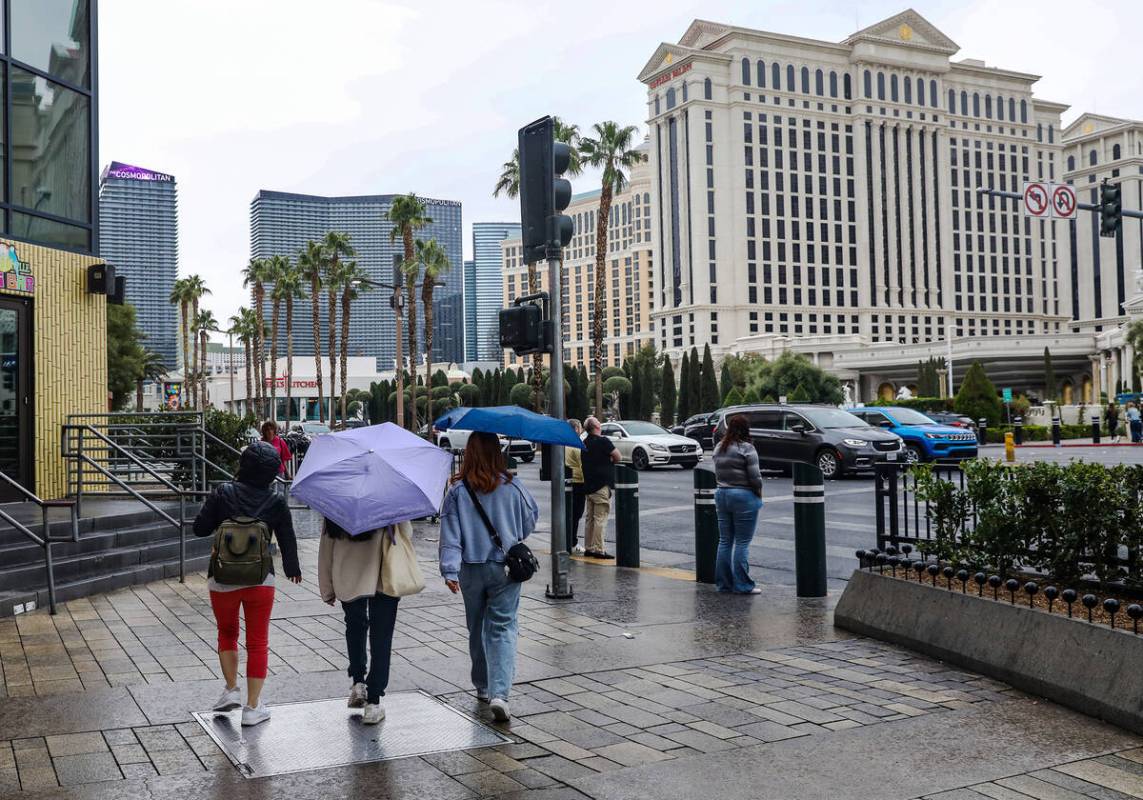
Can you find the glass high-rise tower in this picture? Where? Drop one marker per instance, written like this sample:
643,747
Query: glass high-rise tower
139,236
484,289
281,223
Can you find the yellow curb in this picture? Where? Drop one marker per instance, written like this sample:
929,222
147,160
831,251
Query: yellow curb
662,572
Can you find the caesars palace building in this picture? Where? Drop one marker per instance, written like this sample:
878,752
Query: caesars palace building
822,197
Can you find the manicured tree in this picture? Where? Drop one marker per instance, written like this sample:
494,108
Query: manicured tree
800,394
1049,376
977,397
469,395
708,386
725,380
521,395
667,395
685,410
439,378
751,396
733,398
620,390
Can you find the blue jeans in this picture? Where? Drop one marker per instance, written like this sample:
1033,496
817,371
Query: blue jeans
490,604
1136,430
737,516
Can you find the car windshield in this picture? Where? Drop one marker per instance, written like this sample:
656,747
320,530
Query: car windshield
643,429
832,418
315,427
907,416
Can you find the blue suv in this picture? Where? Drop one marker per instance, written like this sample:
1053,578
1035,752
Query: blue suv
925,440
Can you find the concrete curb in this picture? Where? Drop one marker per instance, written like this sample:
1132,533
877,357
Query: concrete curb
1090,668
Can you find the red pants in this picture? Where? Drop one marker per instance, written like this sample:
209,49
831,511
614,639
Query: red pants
256,603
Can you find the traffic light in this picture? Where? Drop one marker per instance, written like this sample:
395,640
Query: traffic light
1110,208
543,195
522,328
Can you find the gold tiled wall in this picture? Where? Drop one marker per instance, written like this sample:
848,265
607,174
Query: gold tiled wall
69,352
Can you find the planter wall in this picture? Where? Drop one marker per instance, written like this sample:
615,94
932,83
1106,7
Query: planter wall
1090,668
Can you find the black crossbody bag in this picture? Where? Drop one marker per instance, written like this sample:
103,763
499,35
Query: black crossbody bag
519,560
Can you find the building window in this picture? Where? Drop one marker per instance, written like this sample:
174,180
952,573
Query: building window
746,72
1115,153
952,101
988,106
909,90
761,72
52,36
1024,111
776,76
806,80
790,85
893,88
819,83
976,104
684,91
1091,158
707,89
880,85
1051,134
1000,108
833,84
1071,163
932,92
847,87
964,103
868,84
670,99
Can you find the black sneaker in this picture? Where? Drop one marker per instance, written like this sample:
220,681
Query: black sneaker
604,556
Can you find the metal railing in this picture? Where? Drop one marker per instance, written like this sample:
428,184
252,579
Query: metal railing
902,517
45,539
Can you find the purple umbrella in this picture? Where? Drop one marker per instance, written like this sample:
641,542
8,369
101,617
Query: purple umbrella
367,478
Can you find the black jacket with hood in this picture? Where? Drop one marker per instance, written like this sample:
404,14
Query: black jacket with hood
251,494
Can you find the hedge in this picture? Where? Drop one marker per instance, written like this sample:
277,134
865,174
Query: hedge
1068,521
1038,433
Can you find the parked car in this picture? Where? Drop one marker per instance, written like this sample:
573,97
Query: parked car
953,419
701,428
644,445
689,422
925,439
833,439
456,439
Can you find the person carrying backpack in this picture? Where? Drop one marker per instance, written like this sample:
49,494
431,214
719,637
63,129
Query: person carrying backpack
242,515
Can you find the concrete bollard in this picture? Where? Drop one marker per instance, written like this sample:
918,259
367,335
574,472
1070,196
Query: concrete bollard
1018,427
1056,431
626,516
809,531
1095,428
706,526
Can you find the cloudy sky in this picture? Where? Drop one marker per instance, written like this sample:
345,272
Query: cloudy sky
376,96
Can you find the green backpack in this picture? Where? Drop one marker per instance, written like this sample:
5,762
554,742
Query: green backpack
241,552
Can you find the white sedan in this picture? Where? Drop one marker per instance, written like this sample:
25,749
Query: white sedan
644,445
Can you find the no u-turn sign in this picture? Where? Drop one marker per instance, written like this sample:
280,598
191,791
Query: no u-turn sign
1049,200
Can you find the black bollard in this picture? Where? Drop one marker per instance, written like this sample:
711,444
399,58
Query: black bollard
706,526
626,516
1056,431
982,431
1018,430
568,503
1095,428
809,531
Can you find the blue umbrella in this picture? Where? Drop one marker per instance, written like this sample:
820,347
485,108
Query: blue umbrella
367,478
511,421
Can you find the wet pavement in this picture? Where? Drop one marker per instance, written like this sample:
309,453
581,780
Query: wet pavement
645,684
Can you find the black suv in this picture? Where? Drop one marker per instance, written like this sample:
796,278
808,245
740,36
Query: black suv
835,440
700,427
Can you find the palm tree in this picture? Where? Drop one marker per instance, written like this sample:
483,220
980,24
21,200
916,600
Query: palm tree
255,275
196,288
433,259
311,264
180,295
287,289
350,276
276,268
611,151
244,324
407,215
151,368
509,184
204,325
336,246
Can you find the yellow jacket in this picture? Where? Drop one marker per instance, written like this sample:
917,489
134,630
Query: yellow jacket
572,459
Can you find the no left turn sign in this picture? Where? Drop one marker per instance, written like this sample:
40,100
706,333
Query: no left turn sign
1063,201
1037,200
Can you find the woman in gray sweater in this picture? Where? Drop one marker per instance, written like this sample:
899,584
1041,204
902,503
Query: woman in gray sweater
737,500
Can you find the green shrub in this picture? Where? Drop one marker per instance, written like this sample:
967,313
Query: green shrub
977,397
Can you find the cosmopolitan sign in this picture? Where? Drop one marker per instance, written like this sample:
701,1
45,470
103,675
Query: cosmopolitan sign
131,173
669,76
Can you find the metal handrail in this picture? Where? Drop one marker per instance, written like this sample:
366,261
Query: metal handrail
45,540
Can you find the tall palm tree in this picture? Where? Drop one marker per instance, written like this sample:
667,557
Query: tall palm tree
350,276
509,184
612,150
311,264
255,275
434,262
407,215
180,295
196,288
276,268
151,368
204,325
287,289
337,247
245,324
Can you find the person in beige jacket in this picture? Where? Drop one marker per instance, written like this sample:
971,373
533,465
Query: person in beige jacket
349,570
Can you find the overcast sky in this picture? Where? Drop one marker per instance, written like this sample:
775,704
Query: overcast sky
376,96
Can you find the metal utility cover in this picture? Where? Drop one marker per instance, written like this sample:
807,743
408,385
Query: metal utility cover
324,733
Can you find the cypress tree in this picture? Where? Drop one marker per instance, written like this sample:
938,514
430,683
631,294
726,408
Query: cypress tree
695,388
725,381
649,375
668,395
684,388
977,397
709,384
1049,376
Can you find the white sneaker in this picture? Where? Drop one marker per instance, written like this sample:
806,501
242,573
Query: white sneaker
578,550
358,694
499,709
373,713
230,700
482,695
254,716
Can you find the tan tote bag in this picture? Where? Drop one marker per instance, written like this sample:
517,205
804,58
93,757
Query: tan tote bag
400,573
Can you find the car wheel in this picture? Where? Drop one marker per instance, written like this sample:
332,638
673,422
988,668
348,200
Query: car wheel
639,460
913,454
830,464
528,459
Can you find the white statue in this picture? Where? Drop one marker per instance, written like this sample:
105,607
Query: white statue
904,394
848,390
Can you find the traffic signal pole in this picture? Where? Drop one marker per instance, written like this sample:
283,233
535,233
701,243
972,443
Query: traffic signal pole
1126,212
560,586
